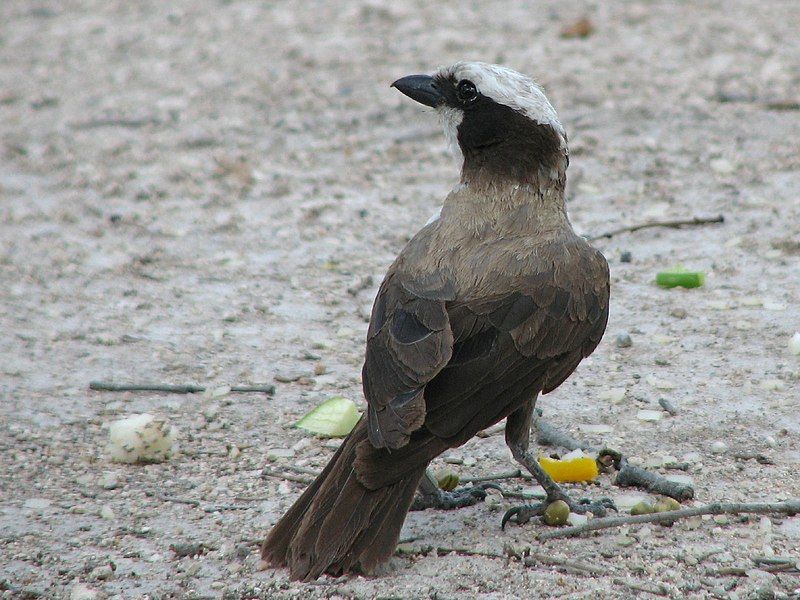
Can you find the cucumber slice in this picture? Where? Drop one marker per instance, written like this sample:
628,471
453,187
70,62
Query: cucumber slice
333,418
676,278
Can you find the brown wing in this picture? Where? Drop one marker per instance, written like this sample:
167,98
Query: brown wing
408,343
509,347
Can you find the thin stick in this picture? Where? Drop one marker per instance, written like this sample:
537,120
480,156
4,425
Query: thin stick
176,500
516,474
547,435
672,223
790,507
172,389
630,476
267,472
657,589
529,560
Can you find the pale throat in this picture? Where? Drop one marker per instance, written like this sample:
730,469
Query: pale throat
504,208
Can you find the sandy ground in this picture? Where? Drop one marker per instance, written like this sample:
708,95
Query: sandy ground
209,192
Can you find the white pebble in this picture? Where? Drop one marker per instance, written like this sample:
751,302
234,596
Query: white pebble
109,482
81,591
772,385
141,438
774,305
678,478
794,343
613,395
650,415
107,513
722,166
276,453
575,519
691,457
625,502
595,428
719,447
660,384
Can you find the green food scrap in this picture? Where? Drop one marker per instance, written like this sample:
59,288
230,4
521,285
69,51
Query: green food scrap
680,278
333,418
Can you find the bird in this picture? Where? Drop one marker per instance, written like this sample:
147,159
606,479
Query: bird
493,302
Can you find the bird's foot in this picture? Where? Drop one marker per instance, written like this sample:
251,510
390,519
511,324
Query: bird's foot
523,513
460,498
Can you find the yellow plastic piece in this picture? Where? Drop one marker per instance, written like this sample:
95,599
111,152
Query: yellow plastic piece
567,471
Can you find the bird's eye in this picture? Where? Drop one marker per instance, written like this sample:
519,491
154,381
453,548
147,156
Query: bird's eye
466,91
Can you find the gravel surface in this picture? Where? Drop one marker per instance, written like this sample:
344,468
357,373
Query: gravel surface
209,192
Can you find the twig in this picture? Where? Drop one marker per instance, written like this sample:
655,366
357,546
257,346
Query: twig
757,456
547,435
556,561
630,476
672,223
657,589
790,507
173,389
528,559
515,474
440,550
267,472
132,123
176,500
220,507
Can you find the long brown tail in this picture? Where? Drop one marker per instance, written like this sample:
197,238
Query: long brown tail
338,523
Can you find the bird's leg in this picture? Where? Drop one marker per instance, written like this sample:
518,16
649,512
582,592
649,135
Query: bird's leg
430,495
518,432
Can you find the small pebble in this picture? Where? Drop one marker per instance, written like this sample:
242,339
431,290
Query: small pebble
613,395
276,453
596,428
625,541
101,573
649,415
722,166
37,503
109,482
794,344
668,406
625,257
678,313
623,340
81,591
107,513
692,457
288,377
772,385
184,549
576,519
719,447
660,384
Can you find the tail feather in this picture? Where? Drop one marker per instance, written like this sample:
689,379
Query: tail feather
338,524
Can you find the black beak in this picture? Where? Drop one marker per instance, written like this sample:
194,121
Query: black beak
422,88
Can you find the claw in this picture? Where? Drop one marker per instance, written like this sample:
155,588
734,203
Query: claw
598,507
461,498
521,514
479,491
